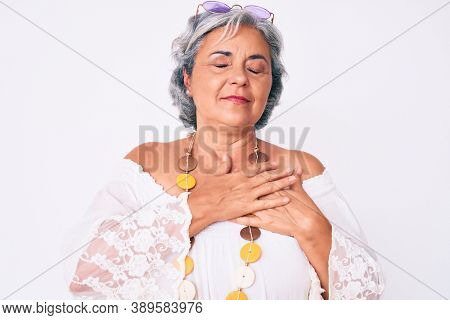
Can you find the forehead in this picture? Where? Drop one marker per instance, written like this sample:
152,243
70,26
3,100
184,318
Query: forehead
247,40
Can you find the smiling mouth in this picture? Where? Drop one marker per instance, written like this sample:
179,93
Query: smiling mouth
237,100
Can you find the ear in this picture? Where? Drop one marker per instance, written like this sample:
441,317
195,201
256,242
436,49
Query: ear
186,80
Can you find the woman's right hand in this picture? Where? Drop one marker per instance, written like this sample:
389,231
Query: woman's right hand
228,195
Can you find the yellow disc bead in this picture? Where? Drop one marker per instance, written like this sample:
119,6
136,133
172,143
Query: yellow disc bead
189,265
237,295
250,252
186,181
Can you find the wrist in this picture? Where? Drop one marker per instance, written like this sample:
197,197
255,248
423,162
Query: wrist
317,234
201,217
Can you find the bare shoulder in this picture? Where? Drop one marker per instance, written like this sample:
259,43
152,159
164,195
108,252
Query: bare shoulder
310,165
158,158
144,153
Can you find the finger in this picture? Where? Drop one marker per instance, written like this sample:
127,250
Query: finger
273,186
297,186
249,220
303,198
267,176
265,204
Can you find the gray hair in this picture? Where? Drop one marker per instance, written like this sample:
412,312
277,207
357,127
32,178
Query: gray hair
186,46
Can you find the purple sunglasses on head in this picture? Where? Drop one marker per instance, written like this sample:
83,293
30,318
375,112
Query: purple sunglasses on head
220,7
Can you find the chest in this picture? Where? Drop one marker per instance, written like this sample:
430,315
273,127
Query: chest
280,273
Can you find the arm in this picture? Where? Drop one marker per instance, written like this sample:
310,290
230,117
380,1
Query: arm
340,260
132,246
317,249
354,273
317,253
201,218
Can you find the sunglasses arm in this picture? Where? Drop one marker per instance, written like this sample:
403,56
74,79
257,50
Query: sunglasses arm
198,7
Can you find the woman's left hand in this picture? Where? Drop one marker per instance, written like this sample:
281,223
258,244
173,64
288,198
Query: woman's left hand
299,218
303,220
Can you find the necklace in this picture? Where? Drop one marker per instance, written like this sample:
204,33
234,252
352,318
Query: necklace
250,252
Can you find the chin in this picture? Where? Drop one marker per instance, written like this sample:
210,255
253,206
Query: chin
237,121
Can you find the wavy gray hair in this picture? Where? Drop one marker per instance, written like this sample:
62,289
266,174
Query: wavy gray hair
185,48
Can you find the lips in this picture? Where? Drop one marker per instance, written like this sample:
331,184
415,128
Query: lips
237,99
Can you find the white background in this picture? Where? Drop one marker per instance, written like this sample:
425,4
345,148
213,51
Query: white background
381,128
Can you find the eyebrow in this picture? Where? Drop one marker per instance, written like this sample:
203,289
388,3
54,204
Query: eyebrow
252,57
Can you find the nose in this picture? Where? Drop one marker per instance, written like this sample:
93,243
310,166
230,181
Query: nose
238,77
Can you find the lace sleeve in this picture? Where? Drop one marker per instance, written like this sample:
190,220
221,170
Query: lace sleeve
130,252
353,272
353,269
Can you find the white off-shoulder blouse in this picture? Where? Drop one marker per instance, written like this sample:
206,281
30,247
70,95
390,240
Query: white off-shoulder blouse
134,237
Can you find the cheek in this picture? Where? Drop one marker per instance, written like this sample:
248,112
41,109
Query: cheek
207,84
263,90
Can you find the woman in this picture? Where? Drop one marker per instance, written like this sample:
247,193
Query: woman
216,215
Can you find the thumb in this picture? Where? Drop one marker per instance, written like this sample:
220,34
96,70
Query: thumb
224,165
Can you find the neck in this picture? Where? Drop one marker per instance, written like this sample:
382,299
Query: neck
212,143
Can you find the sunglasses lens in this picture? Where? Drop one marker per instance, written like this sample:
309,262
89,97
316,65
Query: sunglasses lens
216,7
258,12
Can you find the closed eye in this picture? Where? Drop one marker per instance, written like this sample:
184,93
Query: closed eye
226,65
254,71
